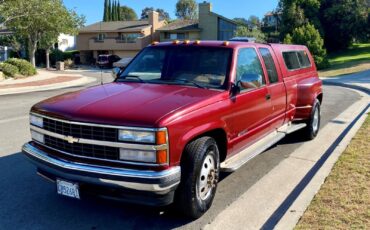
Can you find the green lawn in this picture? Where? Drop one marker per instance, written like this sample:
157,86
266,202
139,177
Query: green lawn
355,59
358,53
343,201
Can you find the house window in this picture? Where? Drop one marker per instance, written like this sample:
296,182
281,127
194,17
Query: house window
101,37
177,36
130,38
226,30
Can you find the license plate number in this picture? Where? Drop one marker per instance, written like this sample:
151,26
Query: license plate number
69,189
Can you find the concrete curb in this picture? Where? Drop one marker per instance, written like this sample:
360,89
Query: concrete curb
78,82
351,86
299,206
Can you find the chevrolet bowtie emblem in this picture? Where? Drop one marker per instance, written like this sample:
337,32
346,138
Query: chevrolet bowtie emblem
70,139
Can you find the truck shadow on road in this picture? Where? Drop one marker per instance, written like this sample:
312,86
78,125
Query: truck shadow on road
29,200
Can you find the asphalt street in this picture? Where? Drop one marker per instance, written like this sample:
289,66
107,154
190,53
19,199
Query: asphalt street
30,202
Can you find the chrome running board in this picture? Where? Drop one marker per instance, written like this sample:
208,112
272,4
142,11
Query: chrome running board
239,159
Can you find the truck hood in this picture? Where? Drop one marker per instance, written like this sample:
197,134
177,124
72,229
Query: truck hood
126,104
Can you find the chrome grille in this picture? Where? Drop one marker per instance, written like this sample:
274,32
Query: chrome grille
85,132
83,150
81,131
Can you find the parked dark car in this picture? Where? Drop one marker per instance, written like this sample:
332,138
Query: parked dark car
107,60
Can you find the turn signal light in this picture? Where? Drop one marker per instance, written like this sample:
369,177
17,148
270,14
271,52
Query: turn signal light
161,156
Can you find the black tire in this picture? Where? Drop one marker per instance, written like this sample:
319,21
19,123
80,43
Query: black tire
313,123
189,199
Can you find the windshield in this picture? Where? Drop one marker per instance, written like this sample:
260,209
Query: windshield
204,67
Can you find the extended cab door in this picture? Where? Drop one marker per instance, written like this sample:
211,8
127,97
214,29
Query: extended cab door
251,108
275,86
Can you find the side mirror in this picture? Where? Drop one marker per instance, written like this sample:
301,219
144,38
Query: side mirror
235,90
250,81
117,71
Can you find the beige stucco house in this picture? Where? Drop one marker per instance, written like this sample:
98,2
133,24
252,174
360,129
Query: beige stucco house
209,26
122,38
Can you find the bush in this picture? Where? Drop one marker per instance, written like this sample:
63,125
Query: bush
25,68
68,64
309,36
9,70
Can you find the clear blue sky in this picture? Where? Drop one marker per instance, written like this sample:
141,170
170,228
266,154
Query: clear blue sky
93,9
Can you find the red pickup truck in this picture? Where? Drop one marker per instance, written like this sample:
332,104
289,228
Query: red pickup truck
176,116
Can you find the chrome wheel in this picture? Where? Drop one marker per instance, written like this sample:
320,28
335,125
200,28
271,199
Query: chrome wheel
315,121
207,179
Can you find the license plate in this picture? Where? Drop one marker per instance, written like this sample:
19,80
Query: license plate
69,189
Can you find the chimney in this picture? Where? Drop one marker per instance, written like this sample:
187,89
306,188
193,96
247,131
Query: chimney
205,8
153,18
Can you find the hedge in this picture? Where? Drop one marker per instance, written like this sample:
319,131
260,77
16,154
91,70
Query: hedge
25,68
9,70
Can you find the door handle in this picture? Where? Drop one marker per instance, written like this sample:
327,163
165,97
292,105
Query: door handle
268,97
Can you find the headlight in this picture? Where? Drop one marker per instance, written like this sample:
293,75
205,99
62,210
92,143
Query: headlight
137,136
36,121
138,155
37,136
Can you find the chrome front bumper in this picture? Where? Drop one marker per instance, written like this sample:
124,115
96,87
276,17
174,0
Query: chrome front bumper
158,182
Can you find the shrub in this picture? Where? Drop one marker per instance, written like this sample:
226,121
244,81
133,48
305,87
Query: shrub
309,36
25,68
9,70
68,63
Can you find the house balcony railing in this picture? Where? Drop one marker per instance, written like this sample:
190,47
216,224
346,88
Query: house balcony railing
117,44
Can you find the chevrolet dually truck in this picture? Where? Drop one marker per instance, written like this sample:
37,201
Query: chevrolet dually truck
177,115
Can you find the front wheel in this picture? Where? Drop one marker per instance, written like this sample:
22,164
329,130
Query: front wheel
313,123
199,176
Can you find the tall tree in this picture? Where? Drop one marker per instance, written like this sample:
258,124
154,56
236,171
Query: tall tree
118,9
106,11
254,22
186,9
343,21
109,17
296,13
163,15
46,20
127,14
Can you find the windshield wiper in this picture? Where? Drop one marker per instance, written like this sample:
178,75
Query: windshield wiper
131,76
192,82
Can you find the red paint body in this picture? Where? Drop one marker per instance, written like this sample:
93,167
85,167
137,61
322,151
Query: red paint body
189,112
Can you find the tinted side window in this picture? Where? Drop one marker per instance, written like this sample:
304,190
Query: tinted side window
296,59
270,65
249,65
303,59
291,60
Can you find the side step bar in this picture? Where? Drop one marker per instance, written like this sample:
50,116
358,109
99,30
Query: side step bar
239,159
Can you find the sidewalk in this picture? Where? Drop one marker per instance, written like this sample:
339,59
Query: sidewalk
279,199
359,81
44,80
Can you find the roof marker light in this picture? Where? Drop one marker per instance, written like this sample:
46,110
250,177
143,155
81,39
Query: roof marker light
225,43
197,42
154,43
175,42
186,42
